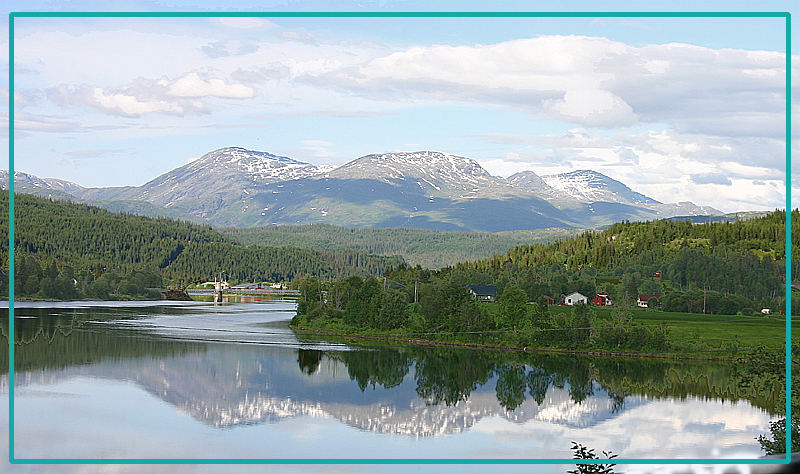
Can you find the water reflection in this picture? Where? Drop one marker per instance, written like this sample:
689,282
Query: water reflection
414,391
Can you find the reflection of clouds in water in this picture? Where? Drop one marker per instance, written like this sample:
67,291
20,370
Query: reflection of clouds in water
692,429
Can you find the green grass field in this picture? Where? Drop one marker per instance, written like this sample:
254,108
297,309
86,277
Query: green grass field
691,331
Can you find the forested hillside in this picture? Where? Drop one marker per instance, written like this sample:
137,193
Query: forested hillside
57,242
428,248
714,268
744,258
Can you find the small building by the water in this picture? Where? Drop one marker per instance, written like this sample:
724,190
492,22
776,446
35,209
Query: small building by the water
484,293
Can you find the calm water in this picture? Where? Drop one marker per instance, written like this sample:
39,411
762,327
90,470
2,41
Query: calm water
197,380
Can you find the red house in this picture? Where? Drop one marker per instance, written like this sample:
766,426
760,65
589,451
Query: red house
601,299
657,275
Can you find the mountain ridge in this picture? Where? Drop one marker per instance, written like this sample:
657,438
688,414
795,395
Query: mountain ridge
234,186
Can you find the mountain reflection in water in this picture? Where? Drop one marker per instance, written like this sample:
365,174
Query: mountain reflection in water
187,356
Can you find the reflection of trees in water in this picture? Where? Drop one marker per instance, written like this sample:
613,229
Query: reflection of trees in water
619,401
511,384
381,367
539,382
47,341
308,360
45,327
450,375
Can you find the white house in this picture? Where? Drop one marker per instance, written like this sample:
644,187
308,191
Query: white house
575,298
643,299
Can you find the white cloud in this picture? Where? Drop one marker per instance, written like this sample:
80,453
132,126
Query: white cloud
666,165
172,97
123,104
191,85
590,81
592,108
126,102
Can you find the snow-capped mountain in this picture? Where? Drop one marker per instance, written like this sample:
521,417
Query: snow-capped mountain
591,186
214,182
239,187
24,182
260,166
436,174
530,181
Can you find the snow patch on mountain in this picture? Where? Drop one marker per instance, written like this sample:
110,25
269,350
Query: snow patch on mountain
259,165
438,174
26,181
591,186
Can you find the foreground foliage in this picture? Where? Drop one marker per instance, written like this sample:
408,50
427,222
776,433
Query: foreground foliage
582,452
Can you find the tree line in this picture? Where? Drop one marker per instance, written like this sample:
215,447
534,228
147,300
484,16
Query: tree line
424,247
65,250
445,309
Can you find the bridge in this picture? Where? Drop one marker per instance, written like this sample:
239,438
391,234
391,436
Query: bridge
243,292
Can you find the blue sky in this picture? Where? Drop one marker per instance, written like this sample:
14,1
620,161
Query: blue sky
679,109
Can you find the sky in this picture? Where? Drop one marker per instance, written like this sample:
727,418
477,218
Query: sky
679,109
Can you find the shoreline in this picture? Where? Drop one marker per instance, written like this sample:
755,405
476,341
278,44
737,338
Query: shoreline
406,340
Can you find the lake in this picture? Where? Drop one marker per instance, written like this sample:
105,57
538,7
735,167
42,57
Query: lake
203,380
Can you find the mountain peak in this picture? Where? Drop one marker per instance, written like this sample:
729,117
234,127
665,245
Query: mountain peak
244,159
592,186
436,173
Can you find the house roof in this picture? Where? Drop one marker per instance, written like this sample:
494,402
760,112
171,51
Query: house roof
484,290
575,294
645,297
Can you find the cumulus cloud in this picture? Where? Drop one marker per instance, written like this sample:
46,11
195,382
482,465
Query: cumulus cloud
172,97
192,85
589,81
120,102
591,107
666,165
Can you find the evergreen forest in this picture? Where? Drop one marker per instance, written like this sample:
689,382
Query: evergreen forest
65,251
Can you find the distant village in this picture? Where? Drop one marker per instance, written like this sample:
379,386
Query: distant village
488,294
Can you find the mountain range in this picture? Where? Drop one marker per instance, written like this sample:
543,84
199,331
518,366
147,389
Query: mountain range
236,187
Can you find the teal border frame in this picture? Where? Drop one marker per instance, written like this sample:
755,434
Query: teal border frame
788,276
